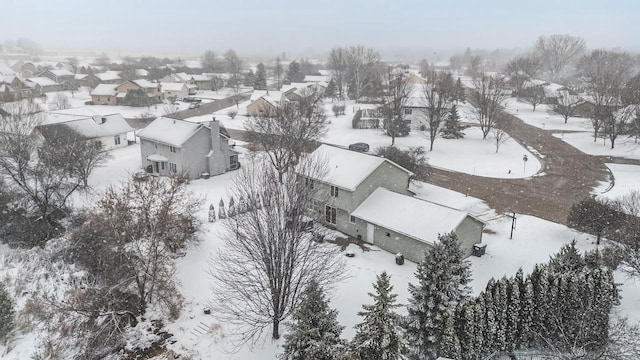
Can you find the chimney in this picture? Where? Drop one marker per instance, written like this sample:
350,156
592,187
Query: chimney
215,127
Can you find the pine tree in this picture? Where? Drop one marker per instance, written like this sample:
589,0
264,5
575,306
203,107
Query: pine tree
500,309
232,208
439,288
466,329
513,315
379,335
452,128
293,73
459,91
260,82
222,213
568,259
330,91
314,331
249,78
6,312
526,325
490,327
460,268
449,345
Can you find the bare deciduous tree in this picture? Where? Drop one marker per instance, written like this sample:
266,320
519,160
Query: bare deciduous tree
522,69
557,51
396,94
268,257
566,105
361,63
233,65
60,101
290,131
487,99
619,122
533,95
499,131
438,95
605,74
209,61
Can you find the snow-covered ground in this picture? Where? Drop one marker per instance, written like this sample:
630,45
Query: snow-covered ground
544,117
626,179
470,155
220,94
625,146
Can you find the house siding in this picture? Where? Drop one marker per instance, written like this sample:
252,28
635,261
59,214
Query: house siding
254,108
109,142
469,232
103,100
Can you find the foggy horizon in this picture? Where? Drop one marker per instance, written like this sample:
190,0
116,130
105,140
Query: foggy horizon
407,28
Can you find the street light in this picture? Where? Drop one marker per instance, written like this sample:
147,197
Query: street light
525,158
512,214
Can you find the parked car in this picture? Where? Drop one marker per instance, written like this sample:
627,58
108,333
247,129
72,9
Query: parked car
194,105
192,100
360,146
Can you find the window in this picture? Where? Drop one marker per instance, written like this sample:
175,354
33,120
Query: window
233,163
330,214
308,183
172,149
352,219
162,165
334,191
173,167
407,111
116,139
108,98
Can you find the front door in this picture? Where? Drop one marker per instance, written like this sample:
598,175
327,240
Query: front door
370,233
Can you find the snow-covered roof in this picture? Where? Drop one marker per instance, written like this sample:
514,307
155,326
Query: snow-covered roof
325,72
7,78
108,76
105,90
42,81
90,126
141,72
409,216
202,77
80,76
61,72
5,69
346,168
5,88
260,93
169,131
173,86
157,157
144,83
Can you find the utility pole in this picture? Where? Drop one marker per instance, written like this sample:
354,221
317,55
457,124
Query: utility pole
512,214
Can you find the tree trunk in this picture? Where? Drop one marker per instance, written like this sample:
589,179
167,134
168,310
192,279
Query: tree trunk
276,329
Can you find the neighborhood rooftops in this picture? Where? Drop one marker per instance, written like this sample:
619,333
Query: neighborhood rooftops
346,168
169,131
409,216
105,90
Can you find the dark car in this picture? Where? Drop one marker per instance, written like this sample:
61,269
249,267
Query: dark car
192,100
360,146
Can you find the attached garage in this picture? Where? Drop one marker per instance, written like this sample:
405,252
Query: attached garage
403,224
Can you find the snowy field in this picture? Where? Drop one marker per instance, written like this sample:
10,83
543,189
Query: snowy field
625,146
470,155
219,94
544,117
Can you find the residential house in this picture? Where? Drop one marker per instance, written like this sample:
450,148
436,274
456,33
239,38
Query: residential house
104,94
7,94
41,85
108,77
6,70
170,146
317,79
177,77
264,102
61,76
107,131
153,90
414,109
20,89
367,197
175,90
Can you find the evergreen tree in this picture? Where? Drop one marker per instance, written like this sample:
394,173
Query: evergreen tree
490,327
314,330
512,335
293,73
449,345
500,309
466,329
379,335
260,82
526,315
6,312
460,268
568,259
459,91
330,91
439,288
452,128
249,78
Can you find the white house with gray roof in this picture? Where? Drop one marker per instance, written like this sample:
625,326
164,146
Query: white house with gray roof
367,197
169,146
109,131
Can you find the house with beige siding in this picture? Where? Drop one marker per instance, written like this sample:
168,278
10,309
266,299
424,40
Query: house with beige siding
104,94
368,197
169,147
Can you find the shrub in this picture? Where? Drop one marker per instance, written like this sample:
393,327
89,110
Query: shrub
6,312
355,122
232,113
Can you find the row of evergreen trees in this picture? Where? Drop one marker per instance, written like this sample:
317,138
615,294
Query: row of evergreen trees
562,305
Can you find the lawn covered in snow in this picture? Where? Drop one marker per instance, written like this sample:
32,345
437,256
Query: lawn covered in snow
625,146
544,117
626,179
470,155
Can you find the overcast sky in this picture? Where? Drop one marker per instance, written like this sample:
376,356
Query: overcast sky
272,26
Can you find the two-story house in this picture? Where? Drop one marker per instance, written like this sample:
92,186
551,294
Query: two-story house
169,146
367,197
153,90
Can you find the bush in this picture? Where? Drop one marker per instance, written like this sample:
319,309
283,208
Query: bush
6,312
414,159
338,110
355,122
232,113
